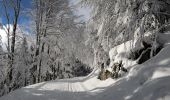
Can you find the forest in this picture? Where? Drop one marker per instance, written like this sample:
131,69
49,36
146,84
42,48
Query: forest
57,40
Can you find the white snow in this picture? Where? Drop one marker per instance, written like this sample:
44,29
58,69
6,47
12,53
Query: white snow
161,72
62,89
148,81
121,52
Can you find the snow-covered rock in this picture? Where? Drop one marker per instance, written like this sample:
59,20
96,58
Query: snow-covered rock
121,53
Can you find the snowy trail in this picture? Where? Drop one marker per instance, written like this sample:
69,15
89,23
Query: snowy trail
148,81
79,88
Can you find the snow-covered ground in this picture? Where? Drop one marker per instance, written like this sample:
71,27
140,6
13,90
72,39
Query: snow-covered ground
148,81
66,89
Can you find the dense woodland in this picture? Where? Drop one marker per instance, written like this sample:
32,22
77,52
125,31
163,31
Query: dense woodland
61,45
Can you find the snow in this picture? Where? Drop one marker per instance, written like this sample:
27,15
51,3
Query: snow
148,81
164,38
161,72
61,89
121,52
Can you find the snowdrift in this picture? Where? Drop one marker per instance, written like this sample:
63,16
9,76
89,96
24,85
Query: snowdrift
121,52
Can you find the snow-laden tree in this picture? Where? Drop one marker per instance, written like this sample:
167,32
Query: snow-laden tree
55,50
57,38
11,15
116,21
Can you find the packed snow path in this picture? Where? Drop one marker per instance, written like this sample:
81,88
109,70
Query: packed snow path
79,88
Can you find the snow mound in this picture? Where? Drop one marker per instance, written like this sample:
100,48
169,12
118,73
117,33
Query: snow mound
121,53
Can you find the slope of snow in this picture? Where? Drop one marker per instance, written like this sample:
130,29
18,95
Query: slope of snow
148,81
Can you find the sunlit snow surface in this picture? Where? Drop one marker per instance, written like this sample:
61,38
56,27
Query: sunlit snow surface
66,89
148,81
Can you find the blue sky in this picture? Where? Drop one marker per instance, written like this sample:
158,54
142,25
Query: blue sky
26,4
23,18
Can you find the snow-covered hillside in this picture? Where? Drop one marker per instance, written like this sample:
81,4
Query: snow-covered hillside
148,81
